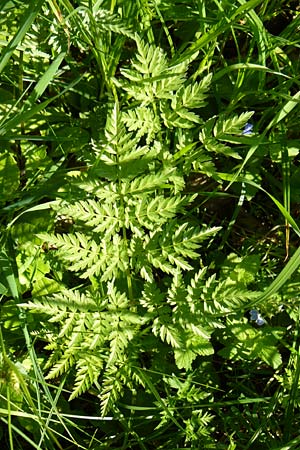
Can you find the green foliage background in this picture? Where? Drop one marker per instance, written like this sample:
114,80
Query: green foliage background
149,255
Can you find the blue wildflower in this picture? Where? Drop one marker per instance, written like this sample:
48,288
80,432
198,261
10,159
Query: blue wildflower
248,129
257,318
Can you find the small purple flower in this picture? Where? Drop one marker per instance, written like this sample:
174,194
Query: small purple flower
257,318
248,129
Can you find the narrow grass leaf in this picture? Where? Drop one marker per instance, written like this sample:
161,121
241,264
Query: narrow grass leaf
32,12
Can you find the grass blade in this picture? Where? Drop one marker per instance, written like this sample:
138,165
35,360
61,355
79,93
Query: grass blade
32,12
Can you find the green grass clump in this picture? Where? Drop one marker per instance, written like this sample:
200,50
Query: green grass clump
149,252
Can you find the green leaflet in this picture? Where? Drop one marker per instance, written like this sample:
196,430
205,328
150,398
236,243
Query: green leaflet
129,262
